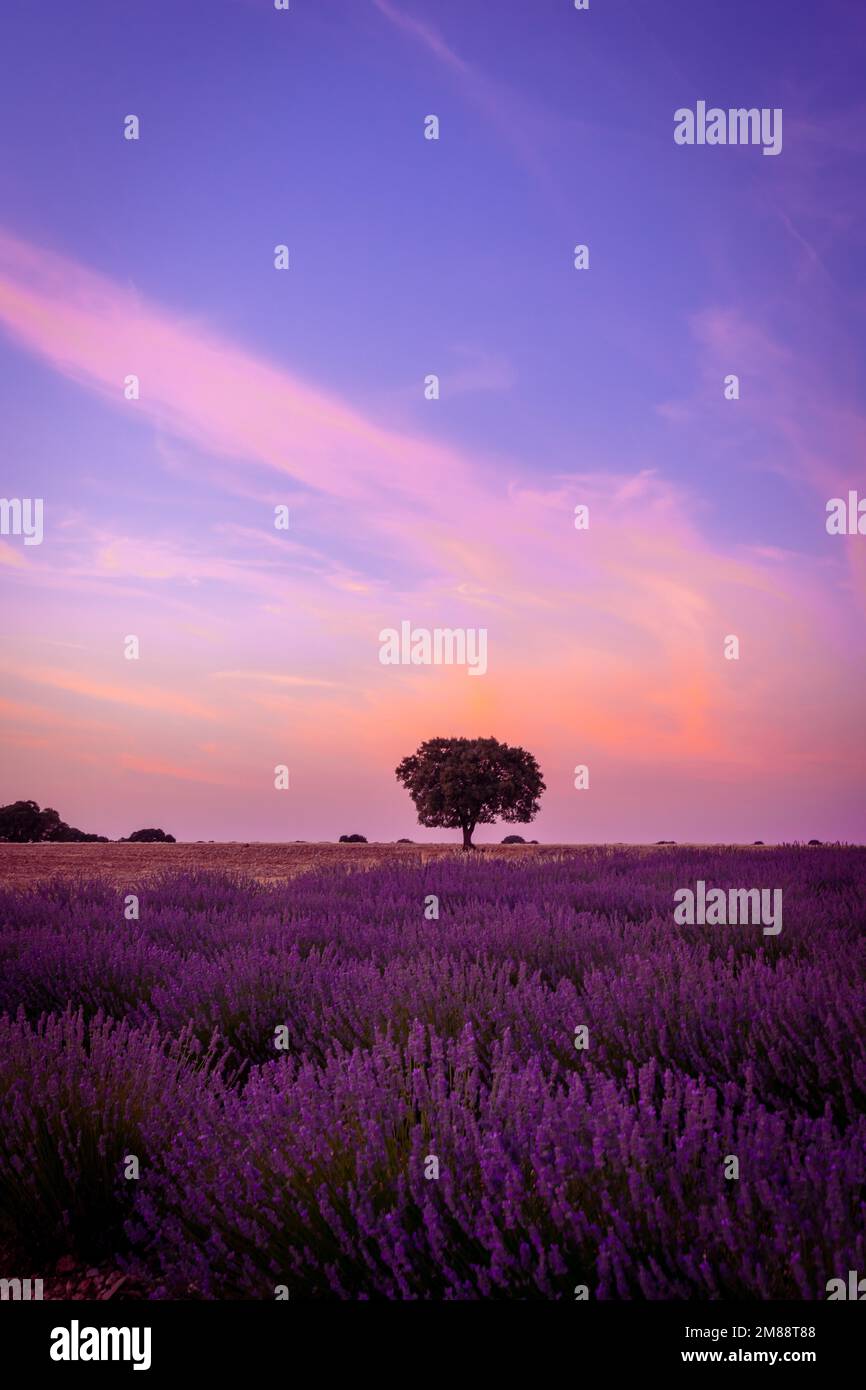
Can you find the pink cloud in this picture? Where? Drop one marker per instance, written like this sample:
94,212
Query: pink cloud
158,767
132,696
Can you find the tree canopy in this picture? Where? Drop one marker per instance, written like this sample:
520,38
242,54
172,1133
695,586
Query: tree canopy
458,783
22,822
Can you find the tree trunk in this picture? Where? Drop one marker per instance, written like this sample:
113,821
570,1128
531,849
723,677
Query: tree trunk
467,836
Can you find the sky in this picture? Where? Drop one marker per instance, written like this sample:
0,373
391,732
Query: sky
304,388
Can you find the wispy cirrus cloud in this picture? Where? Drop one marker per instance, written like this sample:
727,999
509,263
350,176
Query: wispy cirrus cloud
527,130
426,35
275,678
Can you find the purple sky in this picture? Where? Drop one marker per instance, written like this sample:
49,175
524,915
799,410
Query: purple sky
558,387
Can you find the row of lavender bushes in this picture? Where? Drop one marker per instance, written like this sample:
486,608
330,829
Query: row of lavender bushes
453,1037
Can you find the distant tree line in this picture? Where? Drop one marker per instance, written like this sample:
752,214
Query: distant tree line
459,783
23,823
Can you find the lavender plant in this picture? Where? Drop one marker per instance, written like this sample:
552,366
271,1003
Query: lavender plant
287,1060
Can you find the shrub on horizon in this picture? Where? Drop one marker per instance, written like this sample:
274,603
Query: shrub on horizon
149,837
306,1165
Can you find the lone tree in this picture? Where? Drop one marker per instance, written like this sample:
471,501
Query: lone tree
458,783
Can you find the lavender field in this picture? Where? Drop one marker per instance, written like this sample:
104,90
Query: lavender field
407,1039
